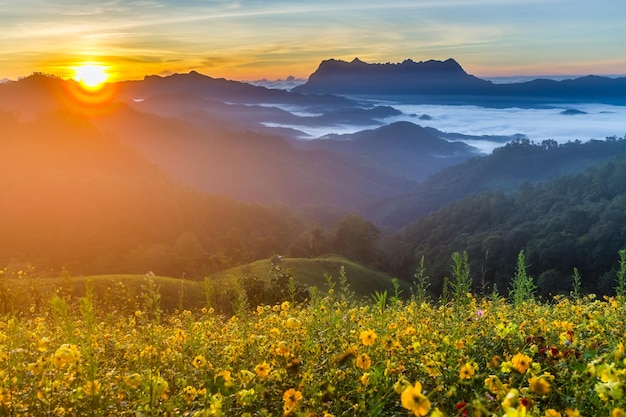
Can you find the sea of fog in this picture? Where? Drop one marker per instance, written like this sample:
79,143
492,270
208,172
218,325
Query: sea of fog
595,121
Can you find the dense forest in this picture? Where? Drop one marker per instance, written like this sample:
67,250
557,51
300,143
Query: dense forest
505,169
576,221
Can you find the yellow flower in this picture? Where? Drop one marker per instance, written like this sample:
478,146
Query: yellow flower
159,385
551,412
363,361
493,384
42,345
292,323
198,362
226,375
263,369
368,337
617,412
539,385
413,400
65,354
5,396
291,397
572,413
436,413
92,388
467,371
38,367
189,393
521,362
365,378
133,380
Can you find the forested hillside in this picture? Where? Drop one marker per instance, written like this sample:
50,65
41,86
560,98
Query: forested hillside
505,169
575,221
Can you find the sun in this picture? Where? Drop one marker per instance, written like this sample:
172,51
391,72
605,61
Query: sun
91,76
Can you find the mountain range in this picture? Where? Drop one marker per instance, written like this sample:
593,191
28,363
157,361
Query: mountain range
446,81
192,173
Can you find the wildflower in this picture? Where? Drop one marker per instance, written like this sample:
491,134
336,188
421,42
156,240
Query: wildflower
246,396
511,399
413,400
292,323
609,390
401,385
37,368
159,385
363,361
365,378
368,337
66,354
493,384
467,371
133,380
5,396
572,413
189,393
618,412
92,388
225,375
282,349
198,362
521,362
42,345
262,370
540,384
551,412
246,376
291,397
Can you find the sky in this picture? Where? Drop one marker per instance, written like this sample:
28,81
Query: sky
251,39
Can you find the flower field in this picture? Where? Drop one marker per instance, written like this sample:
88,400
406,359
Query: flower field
330,357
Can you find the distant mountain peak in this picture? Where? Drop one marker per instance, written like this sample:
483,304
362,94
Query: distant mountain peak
358,77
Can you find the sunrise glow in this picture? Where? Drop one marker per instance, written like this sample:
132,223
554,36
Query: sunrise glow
91,76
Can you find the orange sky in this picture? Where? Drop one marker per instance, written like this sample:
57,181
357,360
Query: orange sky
248,40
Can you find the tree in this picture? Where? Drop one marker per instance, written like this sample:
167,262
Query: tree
355,238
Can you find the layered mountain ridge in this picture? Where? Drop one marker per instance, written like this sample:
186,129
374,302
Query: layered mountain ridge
448,79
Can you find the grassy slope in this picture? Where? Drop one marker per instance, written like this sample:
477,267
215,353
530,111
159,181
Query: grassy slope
310,272
126,291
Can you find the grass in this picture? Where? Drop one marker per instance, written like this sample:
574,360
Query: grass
124,291
363,281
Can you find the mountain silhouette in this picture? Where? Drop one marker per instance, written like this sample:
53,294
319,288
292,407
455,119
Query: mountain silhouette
409,77
447,82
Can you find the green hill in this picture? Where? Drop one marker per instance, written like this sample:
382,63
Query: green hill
311,273
129,292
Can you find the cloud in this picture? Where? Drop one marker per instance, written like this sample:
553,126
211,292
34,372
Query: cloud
599,122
